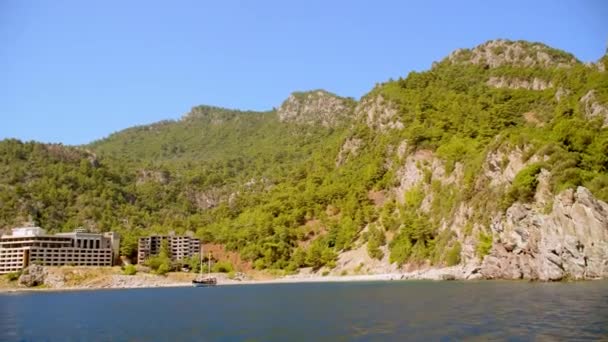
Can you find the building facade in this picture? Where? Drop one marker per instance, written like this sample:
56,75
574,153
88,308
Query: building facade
180,247
32,245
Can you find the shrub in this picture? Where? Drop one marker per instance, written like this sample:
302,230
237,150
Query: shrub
160,264
484,245
223,267
130,270
163,269
455,150
374,251
468,229
259,264
453,256
13,276
375,239
320,254
401,249
524,185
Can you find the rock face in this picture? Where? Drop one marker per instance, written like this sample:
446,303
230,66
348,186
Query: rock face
518,83
593,108
350,147
316,107
571,242
33,275
204,200
501,167
144,176
412,173
379,114
496,53
561,93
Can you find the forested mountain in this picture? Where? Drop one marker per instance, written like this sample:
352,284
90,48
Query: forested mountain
496,159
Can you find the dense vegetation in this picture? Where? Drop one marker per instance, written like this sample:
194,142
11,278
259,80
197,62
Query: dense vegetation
273,191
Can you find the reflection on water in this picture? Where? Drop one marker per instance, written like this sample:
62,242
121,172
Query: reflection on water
414,310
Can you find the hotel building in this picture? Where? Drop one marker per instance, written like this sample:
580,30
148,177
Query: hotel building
32,245
180,247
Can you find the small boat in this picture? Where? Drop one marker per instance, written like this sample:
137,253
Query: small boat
202,281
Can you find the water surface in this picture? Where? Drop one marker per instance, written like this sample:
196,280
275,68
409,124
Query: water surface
409,310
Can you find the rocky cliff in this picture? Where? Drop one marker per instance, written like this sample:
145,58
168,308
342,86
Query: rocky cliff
316,107
568,242
500,52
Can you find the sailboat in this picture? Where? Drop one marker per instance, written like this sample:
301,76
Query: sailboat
202,281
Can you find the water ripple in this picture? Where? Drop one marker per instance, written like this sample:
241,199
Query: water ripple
412,310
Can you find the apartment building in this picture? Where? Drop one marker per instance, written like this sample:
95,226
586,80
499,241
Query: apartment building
180,247
29,245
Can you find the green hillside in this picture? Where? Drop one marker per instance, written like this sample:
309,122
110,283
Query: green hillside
288,193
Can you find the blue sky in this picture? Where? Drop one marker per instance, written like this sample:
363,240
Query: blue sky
76,71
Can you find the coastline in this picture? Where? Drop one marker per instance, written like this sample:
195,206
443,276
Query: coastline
224,282
115,280
110,279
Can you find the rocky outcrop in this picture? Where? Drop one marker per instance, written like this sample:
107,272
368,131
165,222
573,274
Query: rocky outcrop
33,275
570,242
379,113
349,148
593,109
316,107
496,53
518,83
161,177
599,65
501,166
209,198
561,93
421,164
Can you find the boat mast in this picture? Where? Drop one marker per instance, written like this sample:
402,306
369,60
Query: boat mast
200,253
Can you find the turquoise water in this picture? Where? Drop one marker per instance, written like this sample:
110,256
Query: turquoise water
413,310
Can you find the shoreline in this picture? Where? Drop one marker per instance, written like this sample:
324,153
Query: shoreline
149,281
283,280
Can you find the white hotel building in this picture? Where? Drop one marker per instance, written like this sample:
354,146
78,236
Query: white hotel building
32,245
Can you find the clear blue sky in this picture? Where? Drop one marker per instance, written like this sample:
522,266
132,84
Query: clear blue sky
76,71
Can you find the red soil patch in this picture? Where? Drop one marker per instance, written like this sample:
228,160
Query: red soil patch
219,253
378,197
532,118
424,155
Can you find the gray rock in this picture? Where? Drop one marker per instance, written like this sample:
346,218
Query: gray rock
448,277
144,176
594,109
316,107
570,242
33,275
349,148
496,53
561,93
519,83
379,113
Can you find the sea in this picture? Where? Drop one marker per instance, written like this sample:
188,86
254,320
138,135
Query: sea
349,311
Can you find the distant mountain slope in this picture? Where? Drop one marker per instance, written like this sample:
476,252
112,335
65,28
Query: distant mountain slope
212,133
495,159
